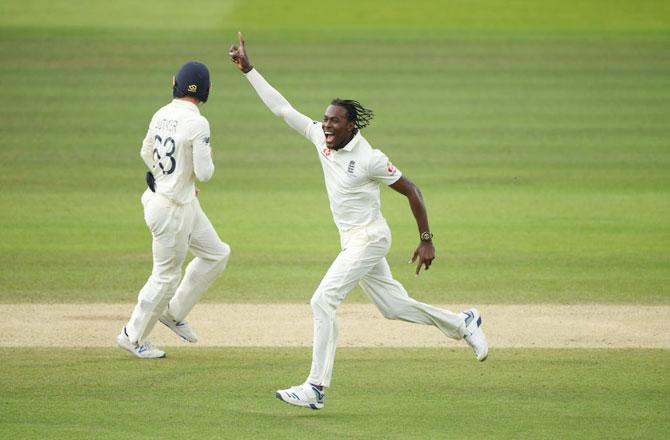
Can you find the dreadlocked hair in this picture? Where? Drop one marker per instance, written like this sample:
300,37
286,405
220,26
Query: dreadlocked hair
356,113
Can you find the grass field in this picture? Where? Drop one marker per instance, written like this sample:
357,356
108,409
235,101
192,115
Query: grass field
539,138
537,131
379,393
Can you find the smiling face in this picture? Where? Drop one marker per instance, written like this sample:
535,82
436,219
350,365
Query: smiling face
337,127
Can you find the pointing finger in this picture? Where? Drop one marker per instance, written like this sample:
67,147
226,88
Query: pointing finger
239,35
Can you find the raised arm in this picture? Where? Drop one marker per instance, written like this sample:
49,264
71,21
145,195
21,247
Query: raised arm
425,252
269,95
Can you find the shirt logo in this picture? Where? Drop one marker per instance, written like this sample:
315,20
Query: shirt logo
326,151
207,140
390,168
350,168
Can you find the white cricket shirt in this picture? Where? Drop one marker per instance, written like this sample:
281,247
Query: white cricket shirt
176,149
352,173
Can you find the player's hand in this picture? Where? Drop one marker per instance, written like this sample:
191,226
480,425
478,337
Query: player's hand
151,181
238,55
425,253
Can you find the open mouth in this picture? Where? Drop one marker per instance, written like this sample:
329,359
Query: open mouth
330,137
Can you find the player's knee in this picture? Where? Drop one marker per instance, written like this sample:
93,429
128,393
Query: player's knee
320,304
316,300
164,285
221,257
166,278
225,251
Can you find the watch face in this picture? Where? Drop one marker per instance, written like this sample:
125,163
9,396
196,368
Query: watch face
426,236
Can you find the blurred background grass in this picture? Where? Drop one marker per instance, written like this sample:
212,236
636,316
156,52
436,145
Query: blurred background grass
537,131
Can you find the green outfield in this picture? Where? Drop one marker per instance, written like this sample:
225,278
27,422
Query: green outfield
537,131
538,136
377,393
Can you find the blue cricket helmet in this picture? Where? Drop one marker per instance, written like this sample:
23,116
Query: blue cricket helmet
192,80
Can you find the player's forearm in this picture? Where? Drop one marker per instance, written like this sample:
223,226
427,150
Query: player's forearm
277,103
268,94
203,166
147,156
418,209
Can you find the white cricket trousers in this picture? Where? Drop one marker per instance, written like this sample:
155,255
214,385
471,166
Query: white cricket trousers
362,260
176,229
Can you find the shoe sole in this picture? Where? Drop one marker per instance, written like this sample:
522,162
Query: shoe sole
166,324
310,405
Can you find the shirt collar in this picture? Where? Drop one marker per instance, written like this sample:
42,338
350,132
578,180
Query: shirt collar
352,143
186,104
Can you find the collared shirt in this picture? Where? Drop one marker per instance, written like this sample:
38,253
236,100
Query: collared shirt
176,149
352,174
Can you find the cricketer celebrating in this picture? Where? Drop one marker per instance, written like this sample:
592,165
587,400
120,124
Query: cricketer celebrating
176,149
352,171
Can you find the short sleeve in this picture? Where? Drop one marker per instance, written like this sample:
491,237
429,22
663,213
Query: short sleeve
380,169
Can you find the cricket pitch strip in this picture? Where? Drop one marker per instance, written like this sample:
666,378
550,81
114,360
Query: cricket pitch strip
361,325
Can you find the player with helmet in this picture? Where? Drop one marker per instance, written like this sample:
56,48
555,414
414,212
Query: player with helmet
177,151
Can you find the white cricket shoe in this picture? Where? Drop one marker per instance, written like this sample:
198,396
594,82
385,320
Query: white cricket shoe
474,334
144,351
306,395
182,329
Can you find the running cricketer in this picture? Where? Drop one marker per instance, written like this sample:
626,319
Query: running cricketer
177,151
353,171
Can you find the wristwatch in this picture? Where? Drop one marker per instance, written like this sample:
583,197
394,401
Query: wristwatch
426,236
